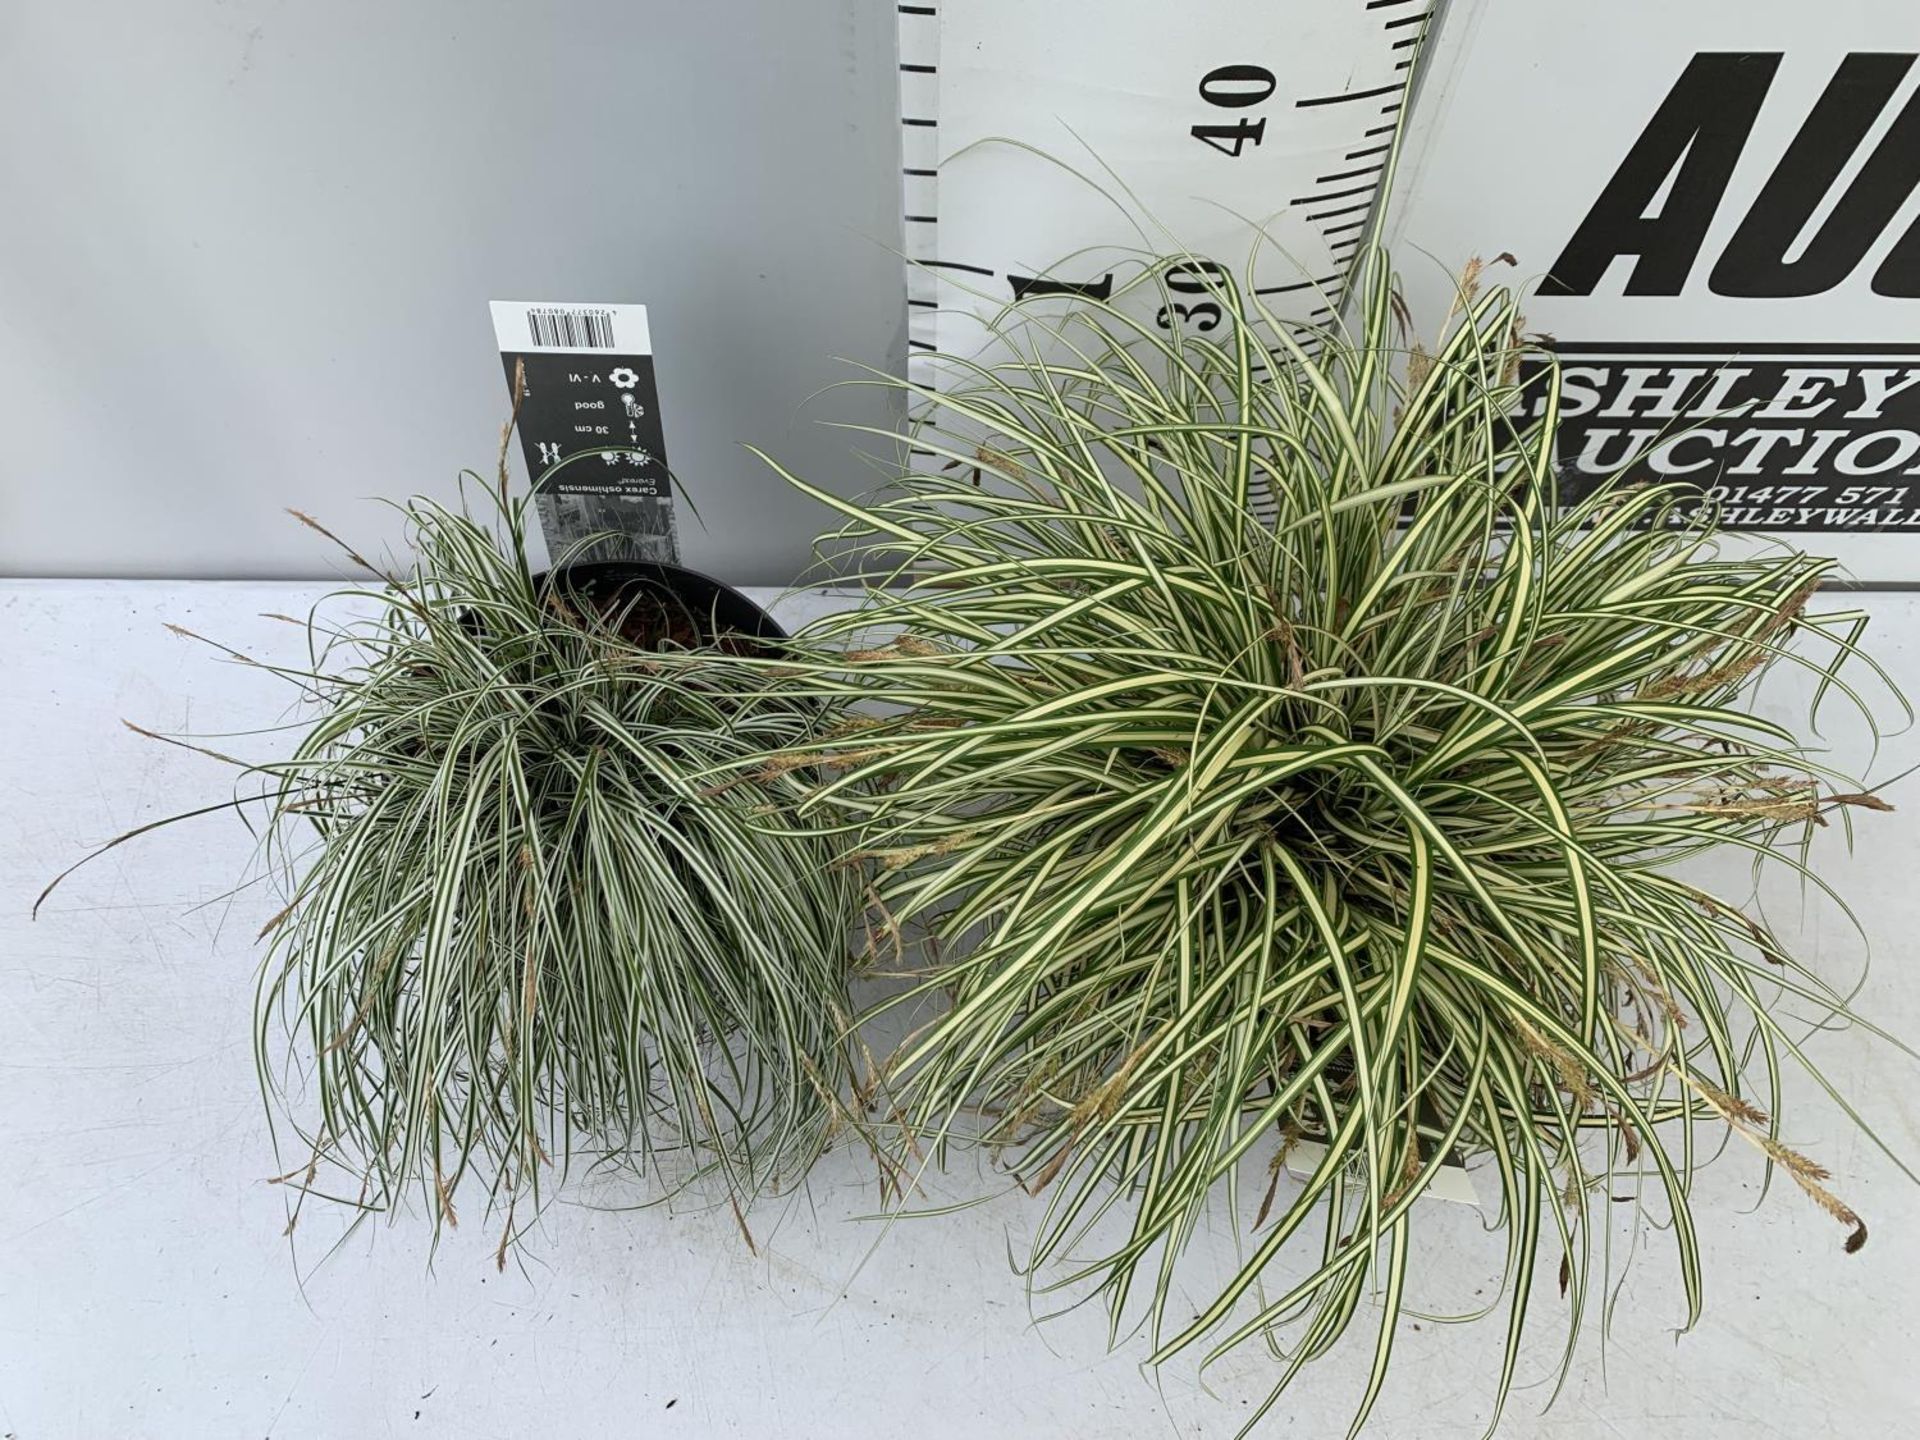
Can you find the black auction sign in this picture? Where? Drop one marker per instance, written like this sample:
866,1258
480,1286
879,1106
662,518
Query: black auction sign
588,414
1818,438
1716,204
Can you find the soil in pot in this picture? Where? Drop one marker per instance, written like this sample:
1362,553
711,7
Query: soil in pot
660,607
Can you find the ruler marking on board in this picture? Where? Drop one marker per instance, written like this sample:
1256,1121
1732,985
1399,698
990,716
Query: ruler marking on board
1314,100
920,81
1406,20
1297,285
1336,195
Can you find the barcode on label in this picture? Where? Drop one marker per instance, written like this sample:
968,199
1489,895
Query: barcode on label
571,329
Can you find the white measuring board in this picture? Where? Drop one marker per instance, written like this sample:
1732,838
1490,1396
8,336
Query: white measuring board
1217,116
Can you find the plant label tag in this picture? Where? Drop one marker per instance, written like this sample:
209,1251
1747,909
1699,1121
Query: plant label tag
589,421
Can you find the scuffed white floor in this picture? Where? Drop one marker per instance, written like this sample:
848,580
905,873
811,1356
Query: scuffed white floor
146,1289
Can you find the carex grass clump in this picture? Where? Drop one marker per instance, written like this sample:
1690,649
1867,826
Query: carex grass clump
1268,750
547,902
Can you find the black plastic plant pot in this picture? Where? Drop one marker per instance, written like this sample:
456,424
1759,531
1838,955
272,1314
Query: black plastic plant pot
654,605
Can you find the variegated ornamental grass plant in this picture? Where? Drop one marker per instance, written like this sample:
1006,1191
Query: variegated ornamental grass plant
537,913
1269,751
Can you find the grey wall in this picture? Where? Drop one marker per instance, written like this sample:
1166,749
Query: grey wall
246,248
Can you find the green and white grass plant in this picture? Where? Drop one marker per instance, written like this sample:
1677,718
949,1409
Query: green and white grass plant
1267,750
541,904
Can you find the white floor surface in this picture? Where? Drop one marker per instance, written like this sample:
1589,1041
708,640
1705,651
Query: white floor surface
146,1289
